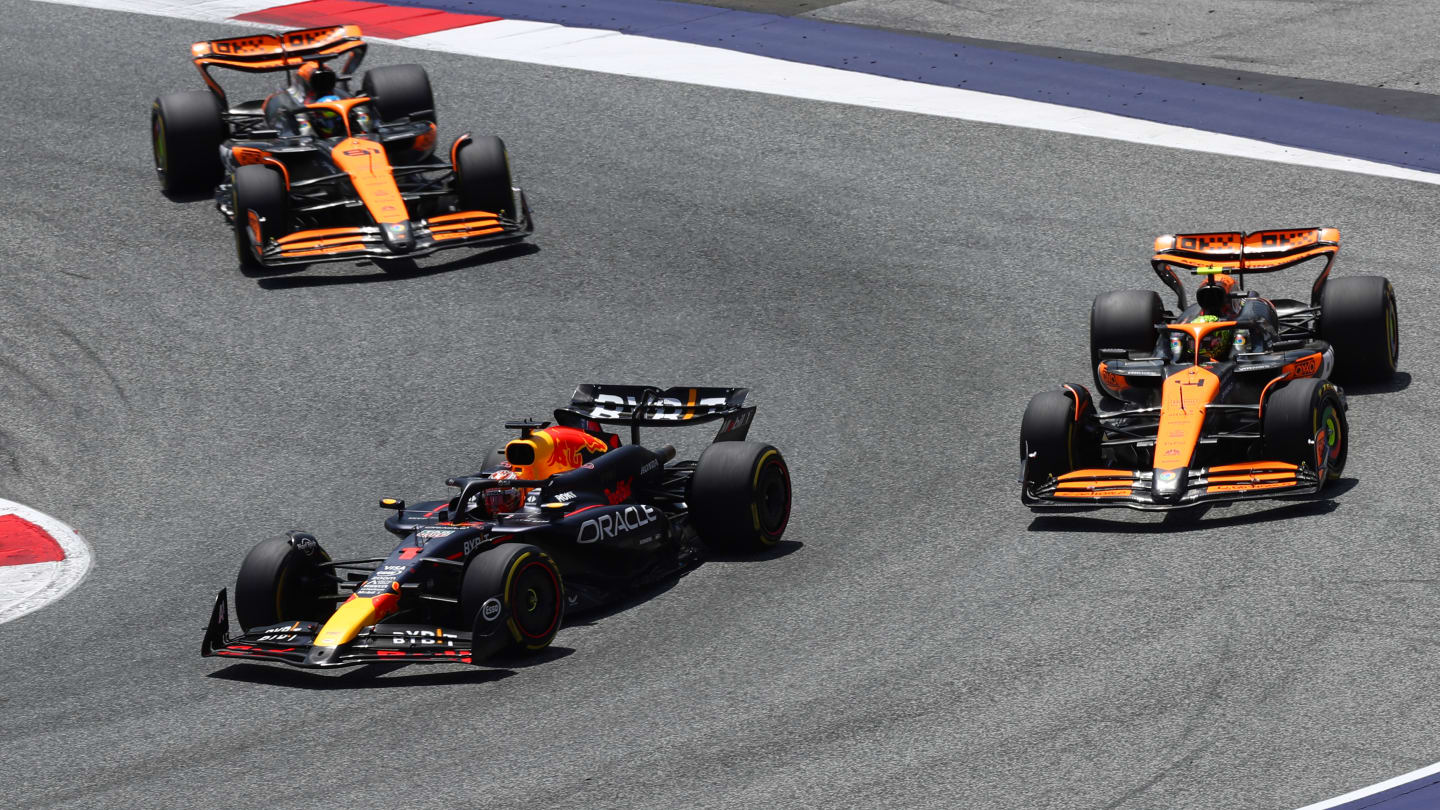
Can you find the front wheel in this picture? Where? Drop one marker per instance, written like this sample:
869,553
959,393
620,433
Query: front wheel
260,200
281,580
1304,423
513,599
1059,433
482,177
739,497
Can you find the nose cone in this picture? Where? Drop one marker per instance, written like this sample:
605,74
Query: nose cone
398,236
1170,485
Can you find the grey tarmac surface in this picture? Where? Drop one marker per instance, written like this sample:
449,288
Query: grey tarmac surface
892,287
1366,42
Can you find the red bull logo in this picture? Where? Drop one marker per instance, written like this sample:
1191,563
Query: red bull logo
559,449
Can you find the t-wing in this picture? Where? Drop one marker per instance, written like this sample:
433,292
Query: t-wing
1241,253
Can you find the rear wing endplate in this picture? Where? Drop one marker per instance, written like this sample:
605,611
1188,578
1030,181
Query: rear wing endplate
647,406
1240,253
260,53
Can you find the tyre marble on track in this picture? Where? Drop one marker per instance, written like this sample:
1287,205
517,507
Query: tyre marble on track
893,288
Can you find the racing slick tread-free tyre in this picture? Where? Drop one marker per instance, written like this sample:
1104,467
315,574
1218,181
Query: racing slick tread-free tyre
1061,441
513,599
482,176
1291,417
400,91
1123,319
186,130
1358,318
739,497
280,582
260,189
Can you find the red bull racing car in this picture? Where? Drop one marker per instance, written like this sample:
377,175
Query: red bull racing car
319,172
1228,398
564,518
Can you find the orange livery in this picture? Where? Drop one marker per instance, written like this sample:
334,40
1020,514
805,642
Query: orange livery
1225,398
323,171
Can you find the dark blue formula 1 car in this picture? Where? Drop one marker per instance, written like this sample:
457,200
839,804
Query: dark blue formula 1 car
564,517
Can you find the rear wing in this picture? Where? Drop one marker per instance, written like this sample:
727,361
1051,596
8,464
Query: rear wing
261,53
1241,253
647,406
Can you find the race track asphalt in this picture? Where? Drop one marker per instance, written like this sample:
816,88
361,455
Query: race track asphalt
892,288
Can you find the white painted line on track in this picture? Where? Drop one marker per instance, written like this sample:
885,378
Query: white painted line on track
1376,788
27,588
605,51
629,55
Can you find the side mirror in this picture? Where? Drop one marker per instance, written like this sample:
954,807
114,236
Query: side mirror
392,503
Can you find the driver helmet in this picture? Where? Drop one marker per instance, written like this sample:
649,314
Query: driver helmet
326,122
317,81
1214,345
502,500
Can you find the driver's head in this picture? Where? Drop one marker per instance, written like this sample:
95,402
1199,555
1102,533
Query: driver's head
1214,345
503,500
327,122
317,80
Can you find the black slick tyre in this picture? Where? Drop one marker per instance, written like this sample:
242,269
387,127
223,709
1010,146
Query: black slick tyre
1359,320
260,201
1059,433
482,176
186,130
1123,319
739,497
513,599
1304,422
400,91
280,580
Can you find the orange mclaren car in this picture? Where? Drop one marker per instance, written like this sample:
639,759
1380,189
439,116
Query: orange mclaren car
1226,398
319,172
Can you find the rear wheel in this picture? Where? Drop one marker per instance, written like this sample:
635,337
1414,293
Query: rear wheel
260,201
1358,318
1304,423
739,497
1059,433
1123,319
186,130
280,580
482,176
400,91
513,599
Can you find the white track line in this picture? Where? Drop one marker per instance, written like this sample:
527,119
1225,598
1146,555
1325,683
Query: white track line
1373,789
606,51
27,588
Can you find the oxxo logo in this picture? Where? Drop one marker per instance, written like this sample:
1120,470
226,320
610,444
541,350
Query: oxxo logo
609,526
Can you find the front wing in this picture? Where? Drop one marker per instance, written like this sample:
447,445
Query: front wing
293,643
460,229
1135,489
